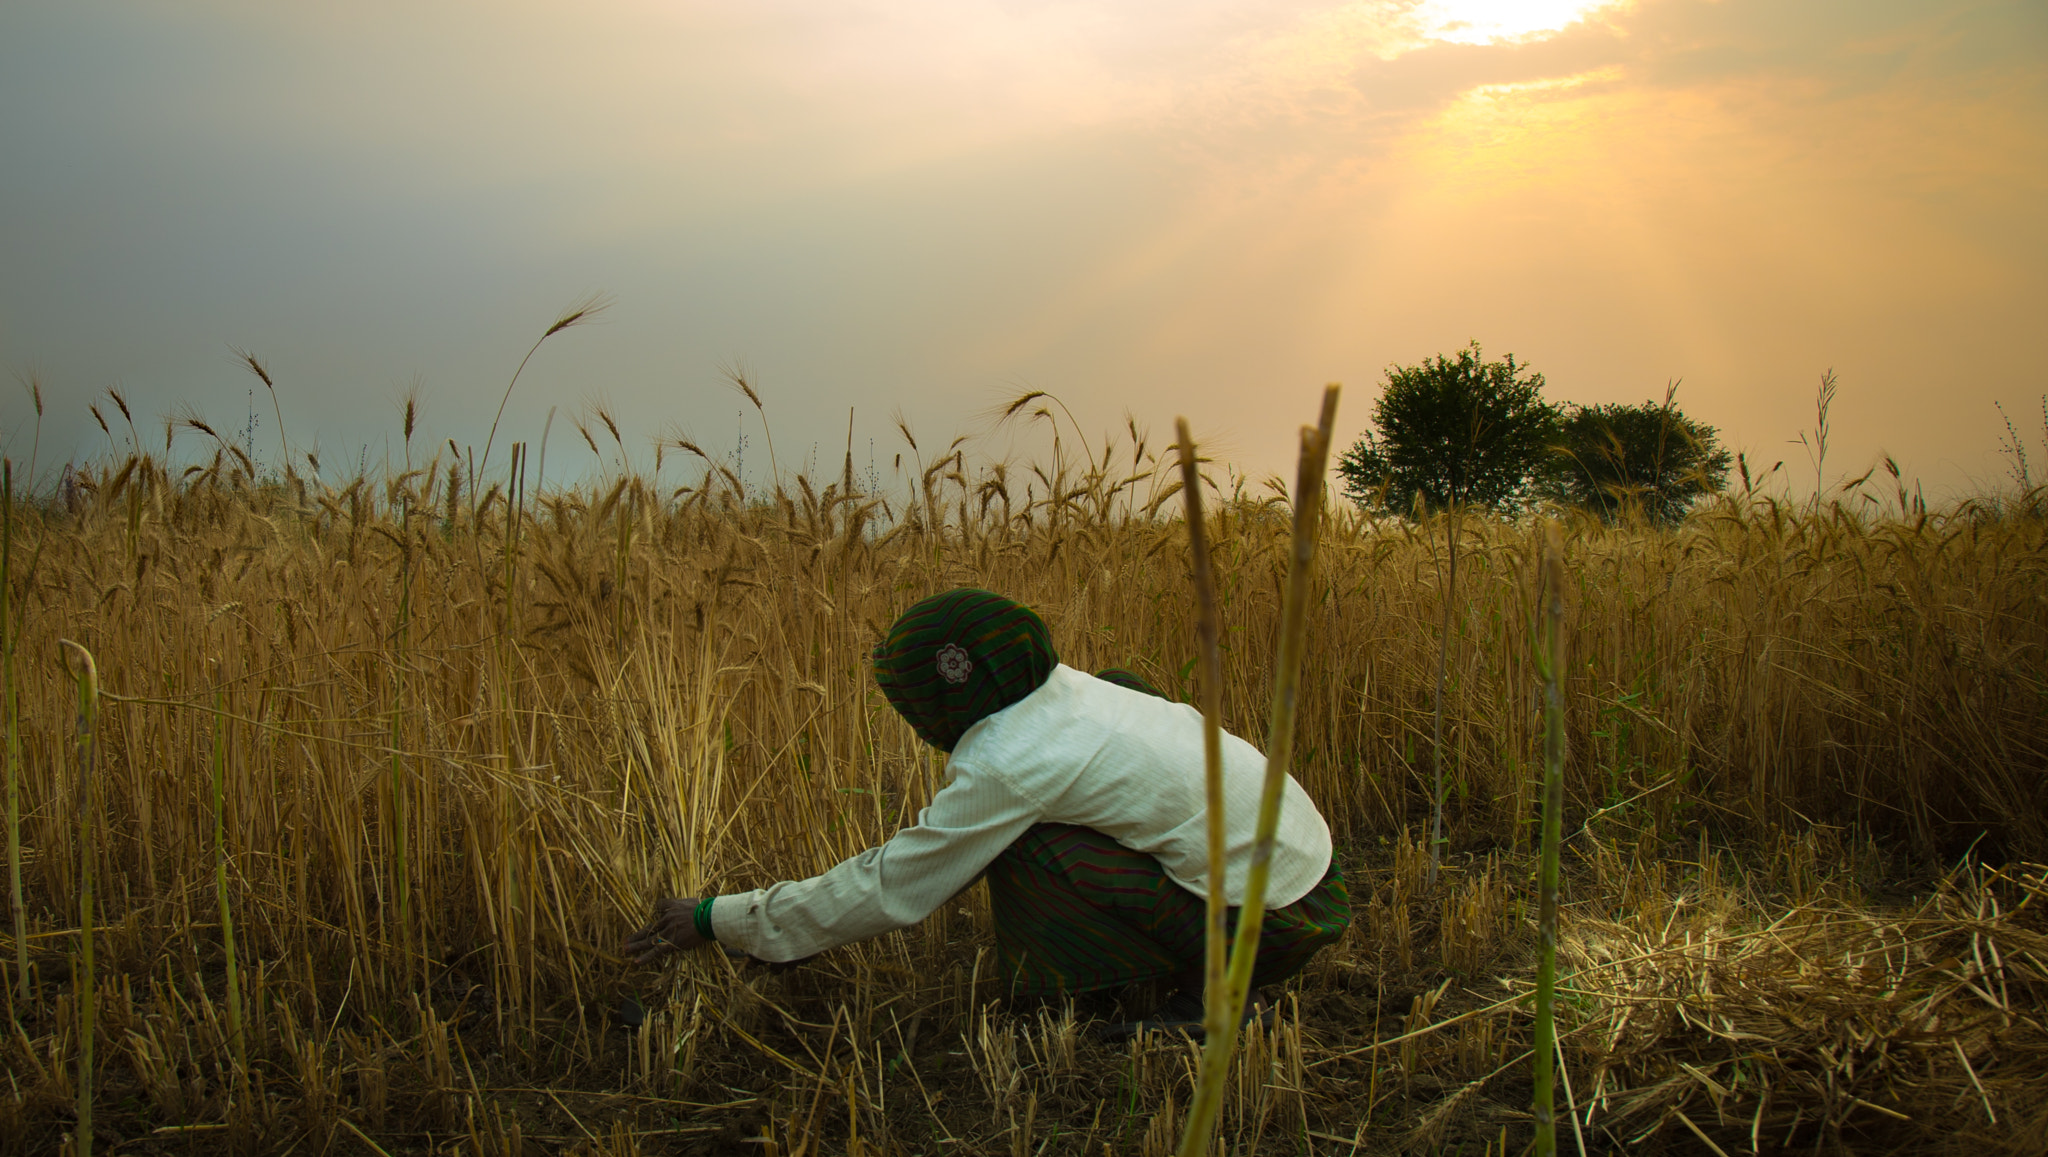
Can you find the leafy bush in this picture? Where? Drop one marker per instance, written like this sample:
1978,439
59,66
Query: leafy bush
1650,458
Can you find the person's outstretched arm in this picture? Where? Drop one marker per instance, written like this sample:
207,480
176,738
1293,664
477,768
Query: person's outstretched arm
969,823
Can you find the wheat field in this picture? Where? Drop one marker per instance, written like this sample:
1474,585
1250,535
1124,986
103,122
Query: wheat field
385,769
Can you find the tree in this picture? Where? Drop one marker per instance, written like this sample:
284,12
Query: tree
1451,433
1614,459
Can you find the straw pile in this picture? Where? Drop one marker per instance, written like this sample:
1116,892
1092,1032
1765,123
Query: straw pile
1921,1029
1701,1010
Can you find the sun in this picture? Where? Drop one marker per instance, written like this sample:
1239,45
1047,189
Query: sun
1494,21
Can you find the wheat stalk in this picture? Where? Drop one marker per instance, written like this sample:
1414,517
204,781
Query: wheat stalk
578,314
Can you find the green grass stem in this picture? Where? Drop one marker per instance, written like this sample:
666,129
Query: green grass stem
1218,1048
1208,632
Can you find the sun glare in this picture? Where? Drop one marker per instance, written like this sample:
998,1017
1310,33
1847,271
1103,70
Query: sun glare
1496,136
1493,21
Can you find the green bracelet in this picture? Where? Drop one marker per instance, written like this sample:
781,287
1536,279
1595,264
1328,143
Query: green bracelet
702,918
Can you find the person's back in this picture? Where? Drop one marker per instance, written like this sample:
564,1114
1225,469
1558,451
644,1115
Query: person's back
1130,765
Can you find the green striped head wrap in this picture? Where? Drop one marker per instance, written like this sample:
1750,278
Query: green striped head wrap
954,659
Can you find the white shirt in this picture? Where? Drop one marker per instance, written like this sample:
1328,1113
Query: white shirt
1076,751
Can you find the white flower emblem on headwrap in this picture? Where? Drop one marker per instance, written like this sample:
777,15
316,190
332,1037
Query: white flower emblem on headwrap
954,665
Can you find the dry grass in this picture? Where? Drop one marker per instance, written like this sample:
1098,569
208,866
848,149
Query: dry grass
467,739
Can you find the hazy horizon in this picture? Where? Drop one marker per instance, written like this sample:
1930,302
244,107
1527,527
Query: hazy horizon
1204,208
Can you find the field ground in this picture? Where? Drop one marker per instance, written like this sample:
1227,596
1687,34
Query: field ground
427,755
1755,1002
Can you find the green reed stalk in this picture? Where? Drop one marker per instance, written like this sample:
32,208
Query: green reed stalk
1208,631
220,885
87,675
1550,666
13,704
1219,1047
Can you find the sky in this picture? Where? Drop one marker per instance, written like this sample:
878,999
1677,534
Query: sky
919,210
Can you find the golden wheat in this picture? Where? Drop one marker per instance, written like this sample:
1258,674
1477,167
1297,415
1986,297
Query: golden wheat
466,733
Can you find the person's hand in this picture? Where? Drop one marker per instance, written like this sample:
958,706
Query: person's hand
674,927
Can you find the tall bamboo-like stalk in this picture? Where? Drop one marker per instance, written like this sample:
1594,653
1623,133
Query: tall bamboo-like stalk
1443,659
1208,632
400,841
86,673
220,886
508,824
1219,1047
515,521
623,515
401,864
1550,665
12,699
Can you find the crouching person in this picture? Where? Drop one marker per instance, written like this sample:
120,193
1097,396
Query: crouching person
1082,801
